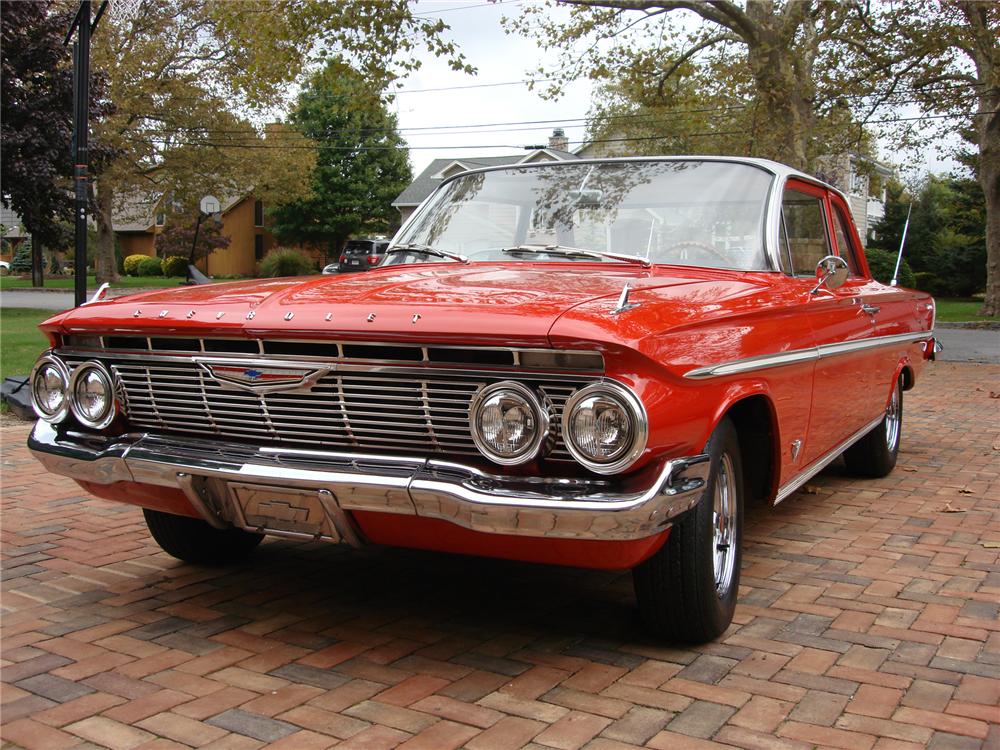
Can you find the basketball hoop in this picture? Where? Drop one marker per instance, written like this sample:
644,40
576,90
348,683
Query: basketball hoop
123,11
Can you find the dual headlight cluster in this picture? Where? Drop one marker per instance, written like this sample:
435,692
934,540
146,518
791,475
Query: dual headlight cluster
88,392
603,425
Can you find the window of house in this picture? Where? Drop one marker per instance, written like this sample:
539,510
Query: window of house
804,235
842,228
161,218
258,213
258,247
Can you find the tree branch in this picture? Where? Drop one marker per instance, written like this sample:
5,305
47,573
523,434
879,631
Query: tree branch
722,12
710,42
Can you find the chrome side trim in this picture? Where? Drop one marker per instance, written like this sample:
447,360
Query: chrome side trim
823,461
605,508
764,361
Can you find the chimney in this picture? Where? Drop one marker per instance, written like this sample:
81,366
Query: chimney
558,140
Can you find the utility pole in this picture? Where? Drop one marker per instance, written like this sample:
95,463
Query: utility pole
81,155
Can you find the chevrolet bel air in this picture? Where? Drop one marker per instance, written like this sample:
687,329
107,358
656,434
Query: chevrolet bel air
595,363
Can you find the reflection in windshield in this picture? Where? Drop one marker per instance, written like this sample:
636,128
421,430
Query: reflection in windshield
698,213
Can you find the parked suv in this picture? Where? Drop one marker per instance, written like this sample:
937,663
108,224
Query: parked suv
360,255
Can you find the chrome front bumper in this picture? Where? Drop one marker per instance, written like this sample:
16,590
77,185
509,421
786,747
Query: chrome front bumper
220,479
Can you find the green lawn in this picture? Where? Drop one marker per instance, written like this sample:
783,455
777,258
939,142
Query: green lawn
960,310
125,282
21,340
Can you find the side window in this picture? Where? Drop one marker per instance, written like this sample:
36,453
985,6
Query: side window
805,236
845,247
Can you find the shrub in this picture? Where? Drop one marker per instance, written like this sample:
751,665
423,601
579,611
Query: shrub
21,262
131,264
930,282
882,263
149,267
175,265
283,261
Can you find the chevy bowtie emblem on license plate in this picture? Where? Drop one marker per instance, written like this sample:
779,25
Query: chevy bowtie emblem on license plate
261,378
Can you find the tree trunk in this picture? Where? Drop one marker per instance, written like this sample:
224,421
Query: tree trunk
989,178
105,264
786,112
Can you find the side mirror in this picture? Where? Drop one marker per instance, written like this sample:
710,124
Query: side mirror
831,272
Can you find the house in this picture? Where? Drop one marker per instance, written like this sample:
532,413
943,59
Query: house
140,218
13,232
440,169
863,181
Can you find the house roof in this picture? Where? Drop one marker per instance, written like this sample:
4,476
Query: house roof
430,178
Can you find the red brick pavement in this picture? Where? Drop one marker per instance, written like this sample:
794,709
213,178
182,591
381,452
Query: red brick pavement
868,618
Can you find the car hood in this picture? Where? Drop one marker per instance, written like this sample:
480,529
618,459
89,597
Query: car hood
516,303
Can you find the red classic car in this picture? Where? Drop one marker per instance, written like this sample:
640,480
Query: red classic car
591,363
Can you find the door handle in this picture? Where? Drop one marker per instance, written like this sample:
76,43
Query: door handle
870,309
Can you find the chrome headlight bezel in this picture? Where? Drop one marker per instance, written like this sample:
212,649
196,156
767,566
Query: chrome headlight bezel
49,360
541,415
630,404
109,385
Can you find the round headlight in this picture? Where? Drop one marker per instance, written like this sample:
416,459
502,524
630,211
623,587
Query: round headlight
49,387
604,426
508,423
92,395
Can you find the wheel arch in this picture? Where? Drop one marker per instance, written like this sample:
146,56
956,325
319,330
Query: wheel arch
756,424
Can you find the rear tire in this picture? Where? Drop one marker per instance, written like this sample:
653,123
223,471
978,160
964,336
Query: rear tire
687,591
194,541
875,454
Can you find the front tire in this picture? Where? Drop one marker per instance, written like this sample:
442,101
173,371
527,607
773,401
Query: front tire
687,591
194,541
875,454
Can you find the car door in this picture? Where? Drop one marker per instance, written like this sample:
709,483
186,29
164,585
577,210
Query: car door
890,310
842,379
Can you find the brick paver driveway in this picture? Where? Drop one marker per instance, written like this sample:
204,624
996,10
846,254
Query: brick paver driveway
868,618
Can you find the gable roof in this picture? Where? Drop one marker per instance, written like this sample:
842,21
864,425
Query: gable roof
430,178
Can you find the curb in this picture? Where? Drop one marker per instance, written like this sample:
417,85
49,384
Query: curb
982,325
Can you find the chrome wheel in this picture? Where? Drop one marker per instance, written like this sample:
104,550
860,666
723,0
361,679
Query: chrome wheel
724,519
892,420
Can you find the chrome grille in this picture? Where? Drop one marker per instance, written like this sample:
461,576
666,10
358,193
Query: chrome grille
418,411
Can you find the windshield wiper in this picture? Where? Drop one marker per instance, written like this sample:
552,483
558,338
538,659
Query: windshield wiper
566,251
419,249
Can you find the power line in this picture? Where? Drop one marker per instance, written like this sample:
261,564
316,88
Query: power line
318,147
468,7
476,129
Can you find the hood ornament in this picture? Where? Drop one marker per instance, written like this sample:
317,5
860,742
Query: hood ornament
623,304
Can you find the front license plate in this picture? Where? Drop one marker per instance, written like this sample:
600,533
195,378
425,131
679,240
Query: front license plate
280,509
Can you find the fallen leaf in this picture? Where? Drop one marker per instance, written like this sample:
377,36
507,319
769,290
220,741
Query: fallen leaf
811,489
907,468
948,509
994,394
965,491
991,545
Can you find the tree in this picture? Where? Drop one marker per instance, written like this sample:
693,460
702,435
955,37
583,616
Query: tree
957,46
189,79
177,237
792,80
945,242
361,162
36,123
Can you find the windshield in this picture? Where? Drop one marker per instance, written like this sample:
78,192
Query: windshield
696,213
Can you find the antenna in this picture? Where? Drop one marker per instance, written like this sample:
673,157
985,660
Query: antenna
902,241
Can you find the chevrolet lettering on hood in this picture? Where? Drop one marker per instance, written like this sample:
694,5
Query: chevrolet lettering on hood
596,363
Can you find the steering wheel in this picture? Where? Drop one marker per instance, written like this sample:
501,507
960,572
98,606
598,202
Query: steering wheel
704,248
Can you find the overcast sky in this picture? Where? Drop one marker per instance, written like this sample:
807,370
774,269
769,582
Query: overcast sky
475,100
499,58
